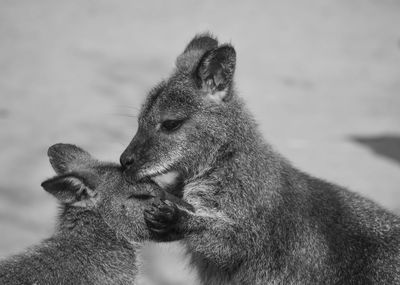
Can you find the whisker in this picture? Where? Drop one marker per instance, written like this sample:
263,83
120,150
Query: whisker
121,143
129,107
125,115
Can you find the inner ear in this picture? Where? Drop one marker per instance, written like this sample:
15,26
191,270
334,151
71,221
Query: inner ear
71,189
216,70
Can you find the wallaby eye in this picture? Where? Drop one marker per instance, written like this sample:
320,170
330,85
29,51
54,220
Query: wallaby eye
171,125
141,196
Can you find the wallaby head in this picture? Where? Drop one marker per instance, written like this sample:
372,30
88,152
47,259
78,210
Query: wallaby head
85,185
194,112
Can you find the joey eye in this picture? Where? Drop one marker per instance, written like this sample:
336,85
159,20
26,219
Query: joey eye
171,125
141,196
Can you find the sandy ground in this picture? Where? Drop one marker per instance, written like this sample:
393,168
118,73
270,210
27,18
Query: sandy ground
322,78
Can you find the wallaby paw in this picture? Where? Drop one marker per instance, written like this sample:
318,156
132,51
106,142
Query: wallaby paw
161,218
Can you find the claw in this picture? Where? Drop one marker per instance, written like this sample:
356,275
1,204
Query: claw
156,225
161,217
159,231
169,203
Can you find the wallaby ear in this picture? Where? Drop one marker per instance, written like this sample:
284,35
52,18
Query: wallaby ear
195,49
72,189
67,157
203,41
215,72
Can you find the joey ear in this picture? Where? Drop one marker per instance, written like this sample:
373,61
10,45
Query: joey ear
71,189
215,72
67,157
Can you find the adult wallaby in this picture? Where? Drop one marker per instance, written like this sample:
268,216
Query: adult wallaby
258,219
99,228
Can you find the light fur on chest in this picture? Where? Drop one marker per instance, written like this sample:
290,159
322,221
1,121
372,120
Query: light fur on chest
196,192
165,263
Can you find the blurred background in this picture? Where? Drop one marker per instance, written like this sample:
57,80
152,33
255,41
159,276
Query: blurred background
321,77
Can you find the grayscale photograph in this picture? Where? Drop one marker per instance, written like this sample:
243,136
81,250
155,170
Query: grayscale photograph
199,142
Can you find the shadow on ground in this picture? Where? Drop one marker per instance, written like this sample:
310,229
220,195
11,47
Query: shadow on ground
387,146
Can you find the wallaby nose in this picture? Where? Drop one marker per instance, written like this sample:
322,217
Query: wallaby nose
126,160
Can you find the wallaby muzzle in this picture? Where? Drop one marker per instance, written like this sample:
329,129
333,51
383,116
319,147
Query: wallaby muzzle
135,155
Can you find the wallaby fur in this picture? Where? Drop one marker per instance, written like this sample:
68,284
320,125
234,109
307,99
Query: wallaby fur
99,228
258,219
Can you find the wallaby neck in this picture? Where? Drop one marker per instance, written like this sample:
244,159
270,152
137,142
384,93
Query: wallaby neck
88,227
246,151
